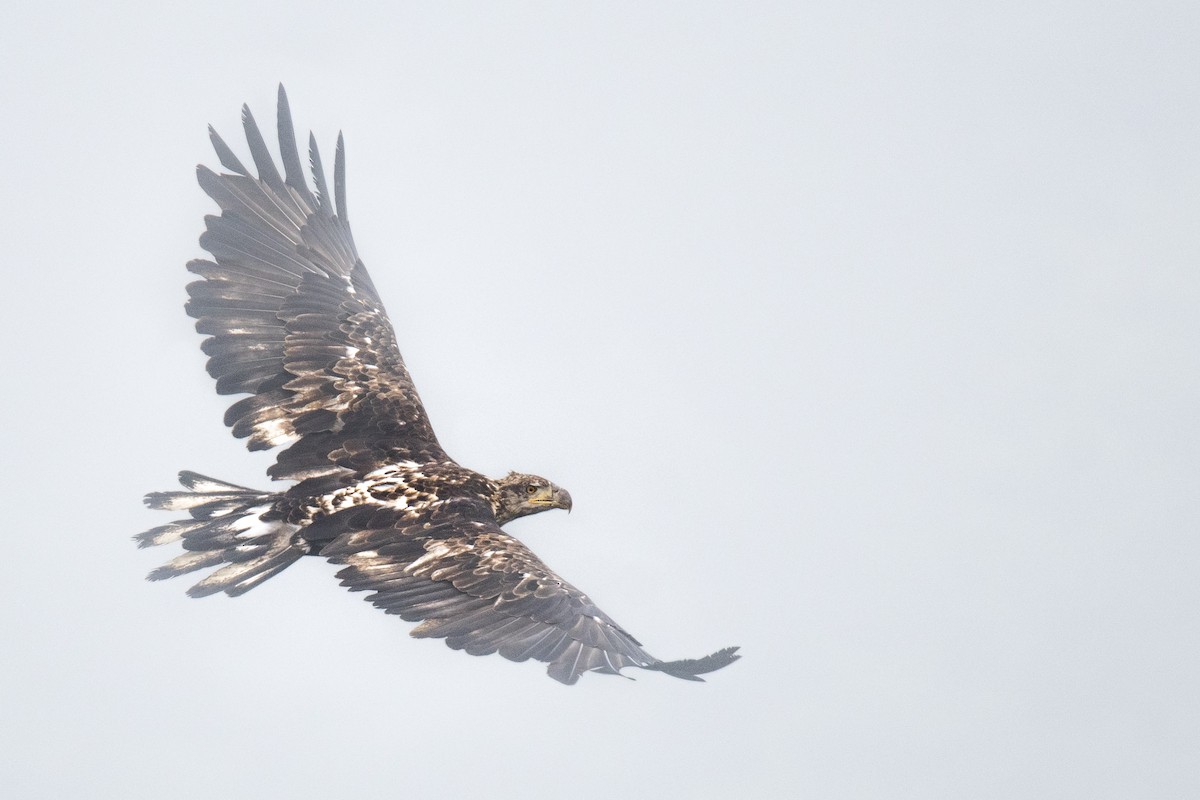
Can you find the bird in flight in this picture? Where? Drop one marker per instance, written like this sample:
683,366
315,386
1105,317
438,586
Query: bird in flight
293,321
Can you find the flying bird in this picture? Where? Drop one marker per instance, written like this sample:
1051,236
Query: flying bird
293,321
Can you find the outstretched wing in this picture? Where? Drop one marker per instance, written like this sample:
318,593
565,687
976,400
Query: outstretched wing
485,592
294,321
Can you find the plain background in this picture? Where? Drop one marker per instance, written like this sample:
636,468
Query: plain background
863,334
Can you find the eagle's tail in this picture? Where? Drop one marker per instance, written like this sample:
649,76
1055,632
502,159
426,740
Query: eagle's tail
226,528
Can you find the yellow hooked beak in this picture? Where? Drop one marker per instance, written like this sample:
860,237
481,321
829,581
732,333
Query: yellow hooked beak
552,497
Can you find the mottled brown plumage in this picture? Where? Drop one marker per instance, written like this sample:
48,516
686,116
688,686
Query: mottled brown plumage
294,322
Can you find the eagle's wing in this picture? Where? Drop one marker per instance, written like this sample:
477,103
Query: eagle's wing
485,592
294,320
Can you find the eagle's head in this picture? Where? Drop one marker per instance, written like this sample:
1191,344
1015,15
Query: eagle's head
518,495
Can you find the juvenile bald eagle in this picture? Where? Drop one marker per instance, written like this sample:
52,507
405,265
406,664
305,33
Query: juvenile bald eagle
293,321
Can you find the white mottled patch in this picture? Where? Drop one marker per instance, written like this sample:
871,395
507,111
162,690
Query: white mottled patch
387,486
255,527
391,469
275,431
434,553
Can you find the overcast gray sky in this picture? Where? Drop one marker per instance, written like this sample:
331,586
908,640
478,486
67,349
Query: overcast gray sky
864,336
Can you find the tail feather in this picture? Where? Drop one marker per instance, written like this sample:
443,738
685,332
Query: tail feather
165,534
237,575
226,528
183,564
202,483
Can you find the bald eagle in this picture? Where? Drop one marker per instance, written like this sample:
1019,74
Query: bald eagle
293,321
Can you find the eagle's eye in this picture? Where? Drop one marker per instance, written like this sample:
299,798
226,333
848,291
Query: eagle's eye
531,488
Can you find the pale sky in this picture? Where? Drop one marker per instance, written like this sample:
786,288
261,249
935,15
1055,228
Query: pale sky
864,336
